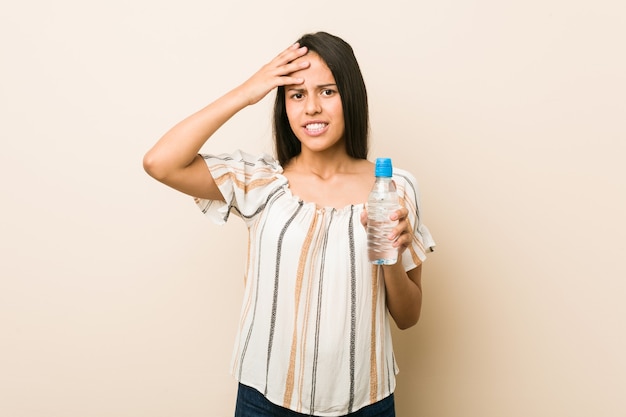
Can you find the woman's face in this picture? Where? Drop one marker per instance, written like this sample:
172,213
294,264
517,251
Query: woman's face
314,107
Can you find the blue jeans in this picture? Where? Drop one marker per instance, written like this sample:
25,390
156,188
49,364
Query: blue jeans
251,403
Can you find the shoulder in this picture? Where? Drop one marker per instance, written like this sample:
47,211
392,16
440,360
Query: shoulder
244,171
244,158
407,185
404,178
243,166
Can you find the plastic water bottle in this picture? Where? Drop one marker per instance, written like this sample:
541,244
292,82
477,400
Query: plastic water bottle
382,201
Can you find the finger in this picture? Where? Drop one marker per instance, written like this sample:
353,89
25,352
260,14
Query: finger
287,80
287,75
364,218
403,241
295,51
286,71
401,231
292,67
399,214
286,51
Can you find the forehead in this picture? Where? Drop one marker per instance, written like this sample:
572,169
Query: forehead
318,70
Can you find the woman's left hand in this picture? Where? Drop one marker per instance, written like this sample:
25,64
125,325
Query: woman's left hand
402,235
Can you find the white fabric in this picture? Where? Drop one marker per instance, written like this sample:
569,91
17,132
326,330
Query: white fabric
314,334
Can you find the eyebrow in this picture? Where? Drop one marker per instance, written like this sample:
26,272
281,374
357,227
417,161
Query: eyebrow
319,87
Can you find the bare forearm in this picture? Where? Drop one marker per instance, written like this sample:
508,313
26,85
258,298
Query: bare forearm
178,148
404,294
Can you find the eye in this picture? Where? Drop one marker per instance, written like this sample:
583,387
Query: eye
296,96
328,92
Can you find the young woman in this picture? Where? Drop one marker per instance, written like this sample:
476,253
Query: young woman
314,335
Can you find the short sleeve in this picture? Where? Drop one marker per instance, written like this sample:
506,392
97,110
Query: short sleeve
423,242
246,182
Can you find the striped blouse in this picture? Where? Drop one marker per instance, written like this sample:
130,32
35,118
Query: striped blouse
314,334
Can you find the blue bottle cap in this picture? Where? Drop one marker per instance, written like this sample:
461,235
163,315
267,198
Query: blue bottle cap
383,167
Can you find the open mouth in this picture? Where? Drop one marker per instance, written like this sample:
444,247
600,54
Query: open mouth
315,127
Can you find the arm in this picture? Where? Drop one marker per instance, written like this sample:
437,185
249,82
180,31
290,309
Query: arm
403,288
404,294
174,159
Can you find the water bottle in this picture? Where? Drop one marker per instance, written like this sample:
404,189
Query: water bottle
382,201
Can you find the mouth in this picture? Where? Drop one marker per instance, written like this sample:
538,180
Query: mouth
316,127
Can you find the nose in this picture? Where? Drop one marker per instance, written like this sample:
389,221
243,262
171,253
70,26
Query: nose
313,105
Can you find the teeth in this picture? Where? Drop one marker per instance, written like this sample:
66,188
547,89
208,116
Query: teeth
315,126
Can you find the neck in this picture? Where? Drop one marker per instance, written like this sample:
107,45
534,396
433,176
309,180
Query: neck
320,165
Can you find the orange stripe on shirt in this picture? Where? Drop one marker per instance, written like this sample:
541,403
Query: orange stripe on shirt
299,276
373,365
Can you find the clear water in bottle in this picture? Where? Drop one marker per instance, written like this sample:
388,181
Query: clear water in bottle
379,247
382,201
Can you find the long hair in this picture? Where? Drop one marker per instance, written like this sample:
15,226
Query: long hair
339,57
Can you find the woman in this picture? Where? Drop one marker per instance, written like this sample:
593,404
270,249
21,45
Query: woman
314,336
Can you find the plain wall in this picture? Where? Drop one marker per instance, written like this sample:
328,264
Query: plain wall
118,298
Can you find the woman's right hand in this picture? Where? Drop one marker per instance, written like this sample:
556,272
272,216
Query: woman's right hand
275,73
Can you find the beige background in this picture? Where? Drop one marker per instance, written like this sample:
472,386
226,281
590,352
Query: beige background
118,298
